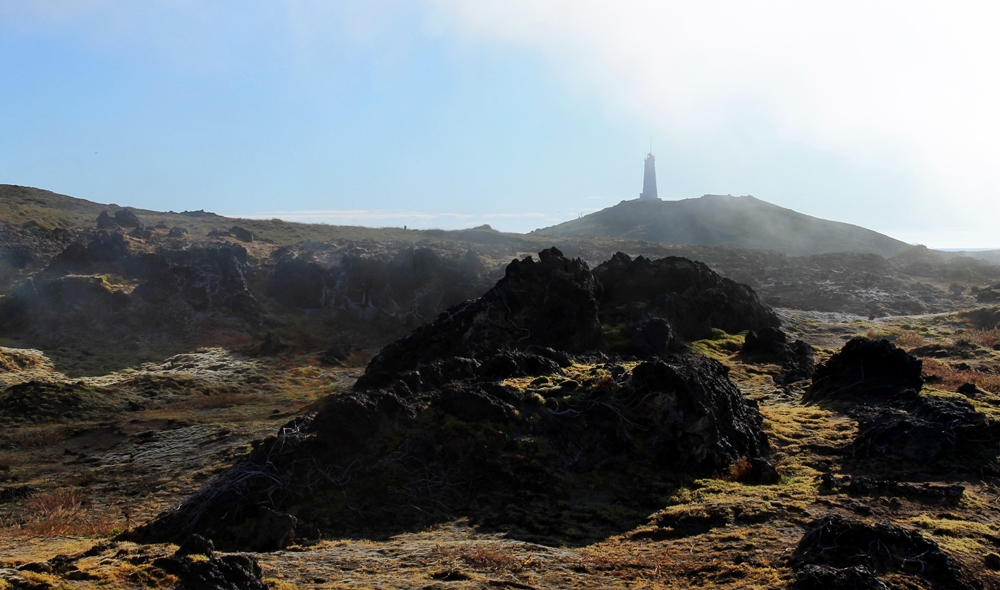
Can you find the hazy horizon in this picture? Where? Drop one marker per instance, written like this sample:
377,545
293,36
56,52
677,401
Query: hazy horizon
452,114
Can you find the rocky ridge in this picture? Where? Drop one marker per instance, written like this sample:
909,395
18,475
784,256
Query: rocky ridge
484,413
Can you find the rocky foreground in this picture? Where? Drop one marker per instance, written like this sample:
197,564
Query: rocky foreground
581,420
539,435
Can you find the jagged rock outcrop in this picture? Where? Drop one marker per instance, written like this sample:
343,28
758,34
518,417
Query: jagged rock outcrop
881,383
771,345
402,288
127,218
926,430
241,234
693,298
106,221
551,303
866,369
210,278
105,248
841,553
104,297
435,430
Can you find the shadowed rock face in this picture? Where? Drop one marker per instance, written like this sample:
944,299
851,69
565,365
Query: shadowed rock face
690,296
405,288
866,368
771,345
841,553
434,431
551,303
207,279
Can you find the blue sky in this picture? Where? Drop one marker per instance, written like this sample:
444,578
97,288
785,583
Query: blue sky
452,113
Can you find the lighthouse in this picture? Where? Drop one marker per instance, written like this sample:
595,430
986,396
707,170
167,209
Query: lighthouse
649,180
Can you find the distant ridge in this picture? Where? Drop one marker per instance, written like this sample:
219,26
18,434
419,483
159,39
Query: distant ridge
723,220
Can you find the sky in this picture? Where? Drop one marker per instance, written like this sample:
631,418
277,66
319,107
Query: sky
516,113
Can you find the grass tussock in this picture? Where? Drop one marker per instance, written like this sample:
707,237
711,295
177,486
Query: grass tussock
65,513
36,438
739,471
721,346
487,557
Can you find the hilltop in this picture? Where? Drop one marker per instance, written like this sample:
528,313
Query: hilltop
723,220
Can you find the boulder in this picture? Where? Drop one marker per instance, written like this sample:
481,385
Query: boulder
836,543
107,247
866,369
225,572
272,531
241,234
74,259
142,233
969,390
127,218
895,421
105,221
702,420
652,338
271,345
926,430
771,345
689,295
336,354
177,232
824,577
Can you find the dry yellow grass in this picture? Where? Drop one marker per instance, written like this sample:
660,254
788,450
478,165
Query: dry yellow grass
37,437
952,378
487,557
984,338
65,513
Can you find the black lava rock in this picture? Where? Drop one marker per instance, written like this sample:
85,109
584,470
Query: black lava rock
867,369
551,303
689,295
771,345
839,543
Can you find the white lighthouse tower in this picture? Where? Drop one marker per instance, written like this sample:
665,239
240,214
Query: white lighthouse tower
649,179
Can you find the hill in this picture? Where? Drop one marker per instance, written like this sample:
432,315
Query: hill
722,220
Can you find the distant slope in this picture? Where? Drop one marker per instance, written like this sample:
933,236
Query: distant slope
718,220
29,208
991,256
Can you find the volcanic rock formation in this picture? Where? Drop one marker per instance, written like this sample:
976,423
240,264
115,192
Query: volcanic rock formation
840,554
482,413
693,298
771,345
896,421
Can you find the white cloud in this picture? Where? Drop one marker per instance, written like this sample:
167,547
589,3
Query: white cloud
904,86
